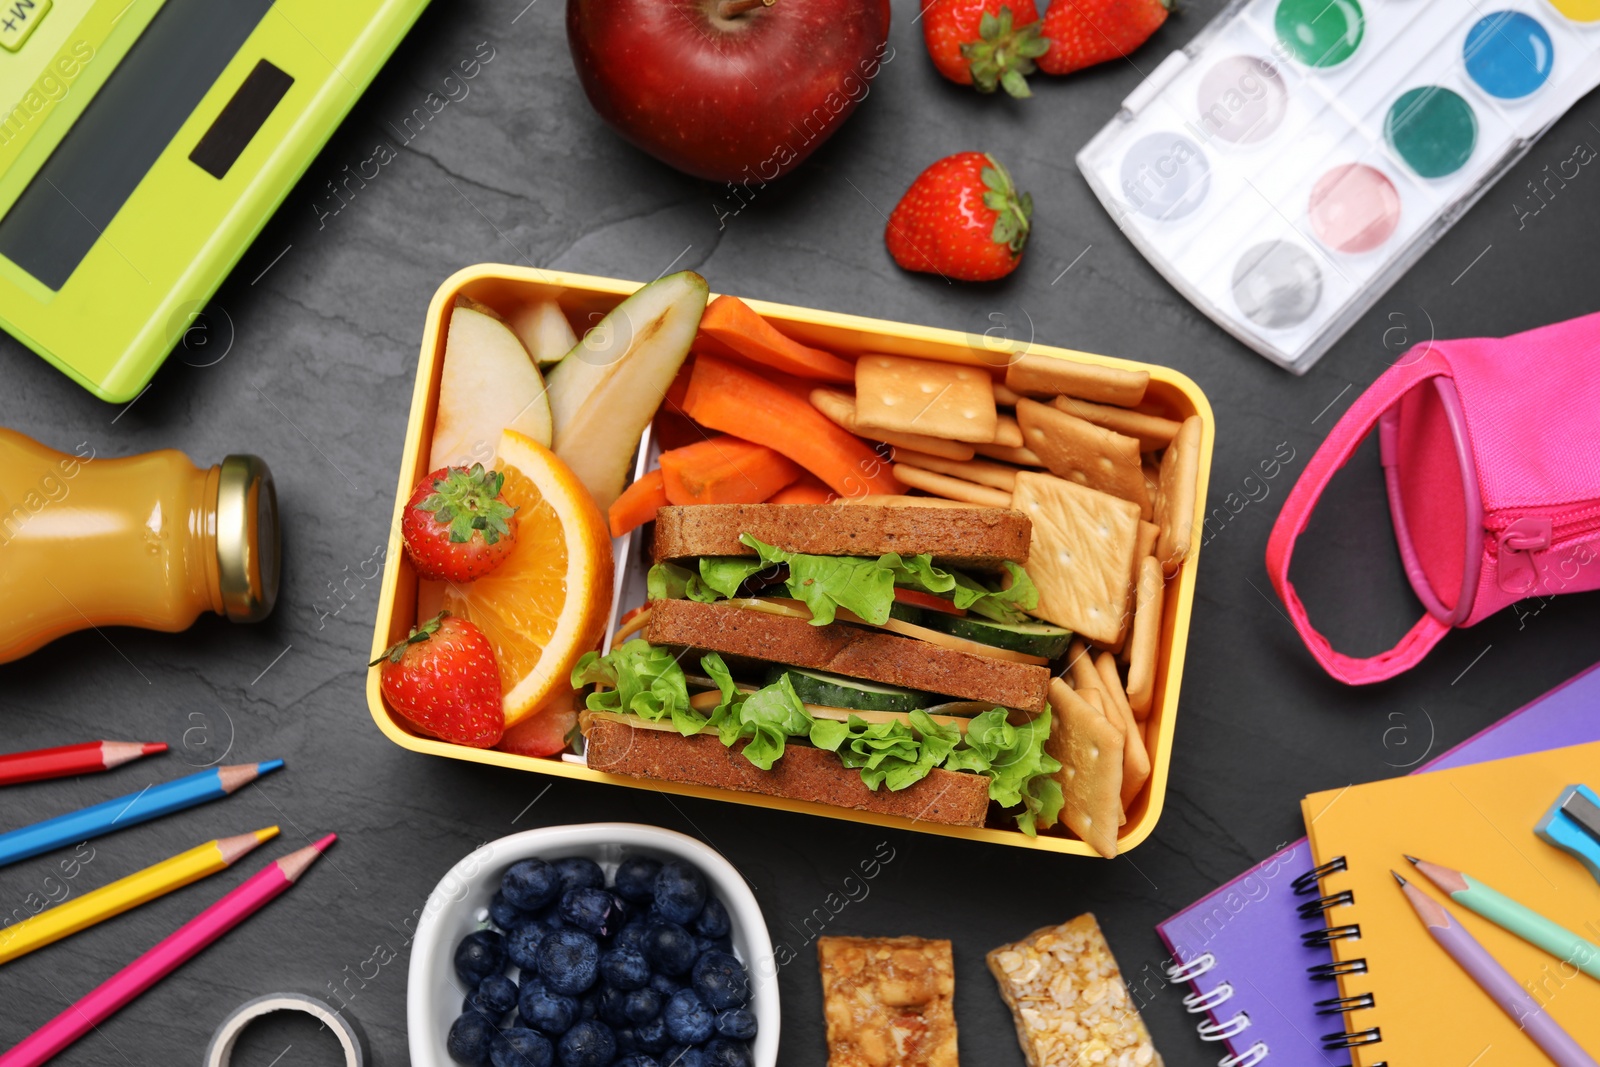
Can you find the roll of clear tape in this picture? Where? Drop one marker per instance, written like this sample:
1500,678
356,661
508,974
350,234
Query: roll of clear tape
354,1043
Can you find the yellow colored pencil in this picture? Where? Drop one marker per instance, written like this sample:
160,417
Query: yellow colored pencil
156,880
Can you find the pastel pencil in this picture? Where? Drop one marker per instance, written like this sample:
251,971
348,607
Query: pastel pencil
91,757
165,957
1509,915
158,879
151,802
1492,978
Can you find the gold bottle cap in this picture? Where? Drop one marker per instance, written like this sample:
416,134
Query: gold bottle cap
247,538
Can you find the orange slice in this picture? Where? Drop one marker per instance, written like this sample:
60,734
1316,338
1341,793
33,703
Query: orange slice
547,604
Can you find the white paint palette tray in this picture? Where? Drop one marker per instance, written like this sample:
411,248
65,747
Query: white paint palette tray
1285,168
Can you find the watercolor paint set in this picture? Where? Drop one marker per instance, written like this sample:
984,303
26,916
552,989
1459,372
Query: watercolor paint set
1289,164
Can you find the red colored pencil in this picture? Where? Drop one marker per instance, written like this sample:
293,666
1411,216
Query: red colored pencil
167,956
91,757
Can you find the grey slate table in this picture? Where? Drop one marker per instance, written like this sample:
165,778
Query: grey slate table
307,358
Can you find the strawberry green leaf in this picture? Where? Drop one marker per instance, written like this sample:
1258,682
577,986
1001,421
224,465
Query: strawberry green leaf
468,502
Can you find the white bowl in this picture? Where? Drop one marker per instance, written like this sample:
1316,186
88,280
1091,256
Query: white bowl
459,905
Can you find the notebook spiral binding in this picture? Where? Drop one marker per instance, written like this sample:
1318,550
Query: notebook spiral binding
1218,1028
1305,885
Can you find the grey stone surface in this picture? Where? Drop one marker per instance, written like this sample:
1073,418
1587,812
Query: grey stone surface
321,323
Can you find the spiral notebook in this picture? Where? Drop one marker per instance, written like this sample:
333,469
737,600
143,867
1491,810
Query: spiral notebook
1240,947
1413,1004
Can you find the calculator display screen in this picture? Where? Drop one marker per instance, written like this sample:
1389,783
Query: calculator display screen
121,133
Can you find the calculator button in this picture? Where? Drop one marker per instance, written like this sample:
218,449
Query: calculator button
17,20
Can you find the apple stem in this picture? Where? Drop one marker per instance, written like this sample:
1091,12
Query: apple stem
733,8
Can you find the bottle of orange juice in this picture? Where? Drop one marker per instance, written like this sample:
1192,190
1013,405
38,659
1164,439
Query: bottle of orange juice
147,541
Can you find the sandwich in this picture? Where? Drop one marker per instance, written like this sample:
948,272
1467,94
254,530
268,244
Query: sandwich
871,656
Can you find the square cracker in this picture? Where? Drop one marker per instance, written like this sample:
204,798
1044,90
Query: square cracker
1048,375
1082,554
1079,451
1089,748
1068,999
1135,757
1144,646
920,396
1180,477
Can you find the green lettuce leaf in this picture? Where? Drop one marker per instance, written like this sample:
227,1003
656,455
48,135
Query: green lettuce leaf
668,581
645,681
725,574
1019,769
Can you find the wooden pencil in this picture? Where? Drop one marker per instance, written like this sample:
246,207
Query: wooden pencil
165,957
154,881
90,757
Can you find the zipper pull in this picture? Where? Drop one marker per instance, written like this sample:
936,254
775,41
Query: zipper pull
1518,571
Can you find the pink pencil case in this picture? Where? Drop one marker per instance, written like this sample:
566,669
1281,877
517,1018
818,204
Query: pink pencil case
1491,454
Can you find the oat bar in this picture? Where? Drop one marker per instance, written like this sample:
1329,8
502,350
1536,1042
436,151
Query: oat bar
1068,999
888,1001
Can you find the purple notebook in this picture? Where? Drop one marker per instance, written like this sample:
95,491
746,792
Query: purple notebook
1245,935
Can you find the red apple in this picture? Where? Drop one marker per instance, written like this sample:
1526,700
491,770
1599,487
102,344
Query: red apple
731,90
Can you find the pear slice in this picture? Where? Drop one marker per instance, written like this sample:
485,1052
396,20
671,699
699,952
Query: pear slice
544,330
489,385
604,393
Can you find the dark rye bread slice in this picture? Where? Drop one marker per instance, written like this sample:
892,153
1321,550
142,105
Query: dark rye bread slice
854,651
804,773
971,538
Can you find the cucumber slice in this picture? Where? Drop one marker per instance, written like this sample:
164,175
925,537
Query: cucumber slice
907,613
1030,638
834,691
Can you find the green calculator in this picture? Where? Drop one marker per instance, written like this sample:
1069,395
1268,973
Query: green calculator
143,145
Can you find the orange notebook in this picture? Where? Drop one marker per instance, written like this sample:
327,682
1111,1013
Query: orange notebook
1478,819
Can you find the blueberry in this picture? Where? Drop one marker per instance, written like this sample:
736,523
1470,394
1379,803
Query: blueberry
689,1021
631,936
669,948
568,961
523,944
642,1005
721,981
543,1010
625,969
720,1052
494,996
470,1037
665,985
503,915
680,892
480,954
588,1044
737,1023
521,1047
713,921
703,945
652,1036
594,910
636,879
580,872
589,1005
627,1040
638,1059
610,1005
684,1056
530,884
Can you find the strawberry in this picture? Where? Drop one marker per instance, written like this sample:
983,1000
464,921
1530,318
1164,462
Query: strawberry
1085,32
456,525
962,219
442,679
986,43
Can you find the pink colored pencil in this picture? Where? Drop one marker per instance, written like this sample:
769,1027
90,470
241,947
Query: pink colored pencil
167,956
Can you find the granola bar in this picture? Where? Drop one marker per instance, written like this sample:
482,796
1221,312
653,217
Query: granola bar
1068,999
888,1001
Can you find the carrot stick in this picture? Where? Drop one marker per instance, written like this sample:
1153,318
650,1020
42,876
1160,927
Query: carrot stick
638,503
724,470
732,322
729,398
806,490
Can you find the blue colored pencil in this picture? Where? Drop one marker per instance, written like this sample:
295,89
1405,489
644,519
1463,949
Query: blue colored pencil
151,802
